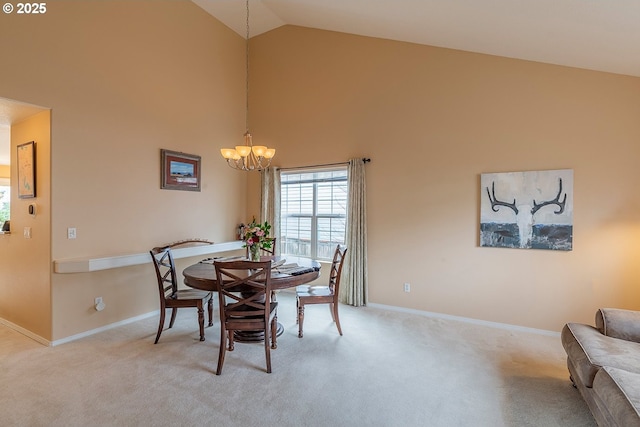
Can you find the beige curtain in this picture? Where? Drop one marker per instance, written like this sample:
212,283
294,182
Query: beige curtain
353,289
270,209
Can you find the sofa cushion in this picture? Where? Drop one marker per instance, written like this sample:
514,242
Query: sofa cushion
619,391
618,323
589,350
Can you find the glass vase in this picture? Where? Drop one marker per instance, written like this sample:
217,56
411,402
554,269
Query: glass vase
254,253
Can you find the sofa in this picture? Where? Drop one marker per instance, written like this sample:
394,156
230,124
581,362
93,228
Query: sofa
604,365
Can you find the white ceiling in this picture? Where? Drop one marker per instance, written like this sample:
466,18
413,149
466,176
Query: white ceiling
601,35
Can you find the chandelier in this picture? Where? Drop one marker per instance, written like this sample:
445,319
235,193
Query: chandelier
248,157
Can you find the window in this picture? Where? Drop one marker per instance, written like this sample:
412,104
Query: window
313,212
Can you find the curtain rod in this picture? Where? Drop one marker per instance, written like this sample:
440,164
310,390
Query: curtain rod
365,160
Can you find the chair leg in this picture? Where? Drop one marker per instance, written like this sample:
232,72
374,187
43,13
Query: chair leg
297,310
274,333
334,314
210,310
174,311
267,346
161,325
201,320
300,319
223,348
331,309
274,330
231,343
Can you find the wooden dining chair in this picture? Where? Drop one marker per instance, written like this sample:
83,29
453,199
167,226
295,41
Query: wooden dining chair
312,294
244,292
174,298
268,252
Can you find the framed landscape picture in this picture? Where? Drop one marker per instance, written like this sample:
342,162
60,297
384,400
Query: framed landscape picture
180,171
26,170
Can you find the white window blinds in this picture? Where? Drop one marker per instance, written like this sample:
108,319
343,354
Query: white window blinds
313,212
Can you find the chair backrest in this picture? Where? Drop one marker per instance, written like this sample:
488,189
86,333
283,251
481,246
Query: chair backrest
336,267
272,250
165,272
166,268
244,289
267,251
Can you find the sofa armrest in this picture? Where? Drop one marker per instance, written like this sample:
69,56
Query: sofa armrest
618,323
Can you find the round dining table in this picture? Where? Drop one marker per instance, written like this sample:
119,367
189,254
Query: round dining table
203,276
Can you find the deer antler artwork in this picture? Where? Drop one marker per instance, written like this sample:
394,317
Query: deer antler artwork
527,228
495,202
556,201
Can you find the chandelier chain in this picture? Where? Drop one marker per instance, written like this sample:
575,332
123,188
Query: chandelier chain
246,71
248,157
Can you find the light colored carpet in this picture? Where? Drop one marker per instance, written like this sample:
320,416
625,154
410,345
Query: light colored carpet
389,369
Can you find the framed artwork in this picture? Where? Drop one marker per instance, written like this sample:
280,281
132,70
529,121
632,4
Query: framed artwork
180,171
27,170
527,210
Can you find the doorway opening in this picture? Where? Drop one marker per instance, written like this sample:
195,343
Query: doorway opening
11,112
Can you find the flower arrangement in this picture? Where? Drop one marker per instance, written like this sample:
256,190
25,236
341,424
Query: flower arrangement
256,237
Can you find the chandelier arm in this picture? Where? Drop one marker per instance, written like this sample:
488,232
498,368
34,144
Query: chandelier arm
249,163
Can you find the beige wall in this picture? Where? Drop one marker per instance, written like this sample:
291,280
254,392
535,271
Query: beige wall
121,87
433,120
167,75
25,297
5,171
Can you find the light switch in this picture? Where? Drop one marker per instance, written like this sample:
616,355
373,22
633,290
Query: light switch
27,232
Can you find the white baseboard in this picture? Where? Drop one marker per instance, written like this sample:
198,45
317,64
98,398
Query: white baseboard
25,332
105,328
48,343
497,325
467,320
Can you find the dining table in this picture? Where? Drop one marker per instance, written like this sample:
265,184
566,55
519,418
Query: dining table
288,272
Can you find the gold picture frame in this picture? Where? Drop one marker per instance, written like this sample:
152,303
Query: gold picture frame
26,161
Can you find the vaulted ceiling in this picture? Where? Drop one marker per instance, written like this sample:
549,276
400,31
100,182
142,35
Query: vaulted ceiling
601,35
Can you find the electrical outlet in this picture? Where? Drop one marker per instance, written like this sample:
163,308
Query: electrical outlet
407,287
71,233
27,232
98,300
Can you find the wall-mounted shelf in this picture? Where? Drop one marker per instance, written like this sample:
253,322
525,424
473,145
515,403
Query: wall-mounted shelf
85,265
